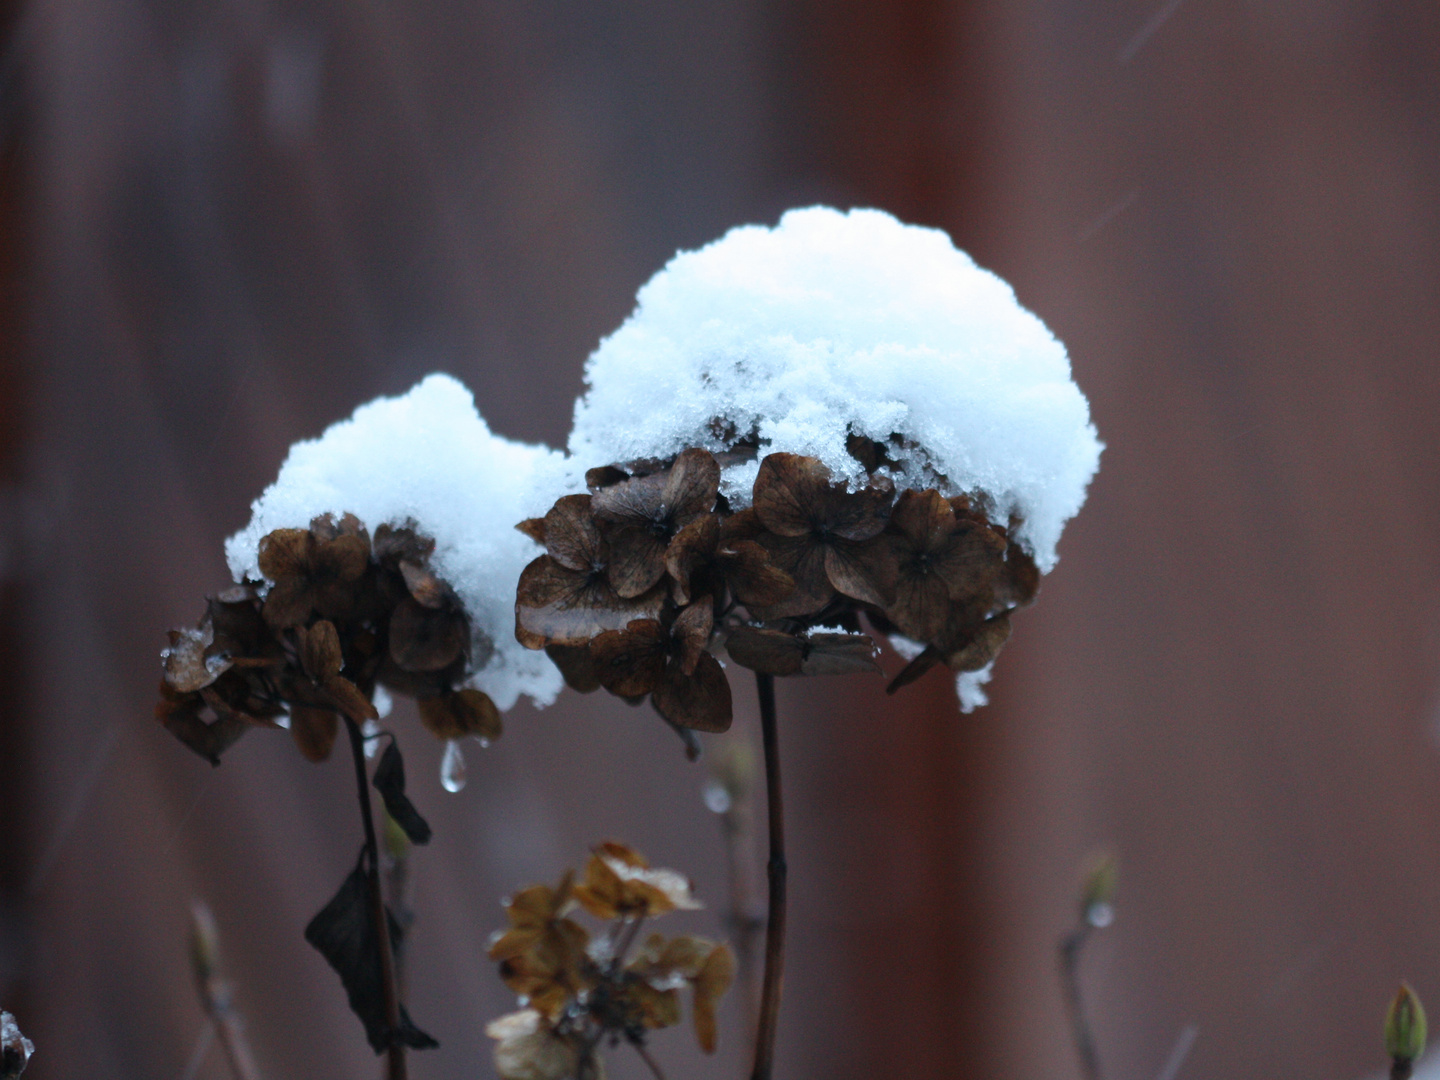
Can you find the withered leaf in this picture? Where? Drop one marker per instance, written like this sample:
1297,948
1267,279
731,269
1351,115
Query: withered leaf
460,713
344,933
181,717
632,661
389,781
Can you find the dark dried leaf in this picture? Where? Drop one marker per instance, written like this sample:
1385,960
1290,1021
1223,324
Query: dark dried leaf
289,602
752,577
534,528
770,652
838,654
691,632
637,559
691,487
973,651
389,780
461,713
344,933
775,652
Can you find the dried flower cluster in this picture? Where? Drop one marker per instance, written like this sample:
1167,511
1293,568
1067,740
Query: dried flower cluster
344,614
580,992
646,575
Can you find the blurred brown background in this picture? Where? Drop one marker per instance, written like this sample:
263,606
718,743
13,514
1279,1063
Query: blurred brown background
225,223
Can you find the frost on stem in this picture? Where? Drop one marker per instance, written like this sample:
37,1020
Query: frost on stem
837,417
578,991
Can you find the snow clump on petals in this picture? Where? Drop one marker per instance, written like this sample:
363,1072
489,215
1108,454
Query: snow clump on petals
836,326
428,458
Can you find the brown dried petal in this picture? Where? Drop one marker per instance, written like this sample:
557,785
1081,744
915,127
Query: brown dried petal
286,553
864,571
924,517
690,549
571,536
343,559
425,639
921,607
753,578
838,654
350,700
604,477
980,648
393,543
657,1008
557,606
576,665
710,985
314,731
789,493
804,562
631,661
637,560
639,500
770,652
860,515
289,602
326,528
186,666
320,650
691,487
700,701
209,740
1021,580
529,1049
534,528
692,632
425,587
464,712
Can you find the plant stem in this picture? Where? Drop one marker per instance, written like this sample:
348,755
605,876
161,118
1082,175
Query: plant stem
1400,1068
396,1052
1070,946
645,1057
775,927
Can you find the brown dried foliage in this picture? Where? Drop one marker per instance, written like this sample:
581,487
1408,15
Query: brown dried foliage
652,572
580,991
342,615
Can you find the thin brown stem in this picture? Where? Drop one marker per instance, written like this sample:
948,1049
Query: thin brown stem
1070,947
395,1051
650,1061
775,927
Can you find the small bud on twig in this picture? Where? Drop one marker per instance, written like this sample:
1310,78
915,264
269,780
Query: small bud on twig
1404,1032
1097,890
15,1049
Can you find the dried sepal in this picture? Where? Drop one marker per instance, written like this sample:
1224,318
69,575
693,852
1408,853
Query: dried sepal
619,882
555,605
576,666
459,713
779,652
529,1048
187,668
640,515
710,983
314,731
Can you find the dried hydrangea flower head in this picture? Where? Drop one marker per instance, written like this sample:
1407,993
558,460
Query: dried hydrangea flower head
380,557
580,991
839,417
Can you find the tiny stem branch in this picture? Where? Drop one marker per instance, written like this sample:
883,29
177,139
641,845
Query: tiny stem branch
650,1061
395,1051
1070,947
775,927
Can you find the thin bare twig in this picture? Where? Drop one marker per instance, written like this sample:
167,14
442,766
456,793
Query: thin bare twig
216,997
1070,947
645,1057
775,927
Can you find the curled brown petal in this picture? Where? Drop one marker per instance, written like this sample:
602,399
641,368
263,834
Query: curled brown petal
576,666
320,650
864,571
753,578
534,528
637,560
556,606
424,639
980,648
349,699
692,632
770,652
186,667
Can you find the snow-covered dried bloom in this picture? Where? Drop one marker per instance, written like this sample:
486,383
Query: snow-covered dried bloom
427,459
836,325
896,438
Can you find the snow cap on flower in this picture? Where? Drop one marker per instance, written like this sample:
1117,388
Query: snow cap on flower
429,458
833,325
